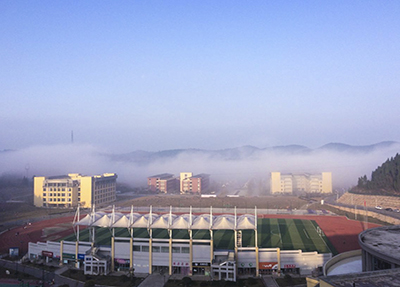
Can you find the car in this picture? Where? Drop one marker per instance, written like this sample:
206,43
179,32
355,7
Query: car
389,209
378,207
396,210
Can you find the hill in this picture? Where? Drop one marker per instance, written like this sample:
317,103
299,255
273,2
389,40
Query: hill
385,179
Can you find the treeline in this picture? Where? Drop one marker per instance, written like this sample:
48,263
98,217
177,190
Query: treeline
384,180
10,180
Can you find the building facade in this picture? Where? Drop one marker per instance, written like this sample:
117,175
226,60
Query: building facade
184,179
164,182
75,189
301,183
195,183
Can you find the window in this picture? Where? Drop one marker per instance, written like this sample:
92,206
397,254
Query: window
50,199
44,194
136,248
164,249
145,249
69,194
185,249
62,199
44,189
156,249
69,199
176,250
44,199
63,194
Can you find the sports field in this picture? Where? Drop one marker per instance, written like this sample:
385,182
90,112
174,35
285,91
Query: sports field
285,233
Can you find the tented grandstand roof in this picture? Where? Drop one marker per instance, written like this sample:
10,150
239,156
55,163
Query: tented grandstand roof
169,221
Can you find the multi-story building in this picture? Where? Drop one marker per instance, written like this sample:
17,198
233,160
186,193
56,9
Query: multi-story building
164,182
75,189
301,183
184,181
195,184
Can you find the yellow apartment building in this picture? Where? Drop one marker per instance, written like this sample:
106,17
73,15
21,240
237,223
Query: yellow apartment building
74,189
184,179
301,183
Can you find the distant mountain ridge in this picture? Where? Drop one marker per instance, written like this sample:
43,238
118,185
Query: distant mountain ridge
245,152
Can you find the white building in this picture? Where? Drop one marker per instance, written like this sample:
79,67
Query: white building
301,183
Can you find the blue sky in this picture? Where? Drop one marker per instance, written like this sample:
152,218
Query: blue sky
156,75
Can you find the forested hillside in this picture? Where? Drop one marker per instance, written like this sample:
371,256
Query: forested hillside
384,180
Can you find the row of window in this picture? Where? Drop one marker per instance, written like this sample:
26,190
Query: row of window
57,199
158,249
56,184
56,189
59,194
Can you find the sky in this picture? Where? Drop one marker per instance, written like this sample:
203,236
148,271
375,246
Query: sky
158,75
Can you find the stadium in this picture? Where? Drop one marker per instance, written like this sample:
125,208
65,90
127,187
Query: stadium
218,243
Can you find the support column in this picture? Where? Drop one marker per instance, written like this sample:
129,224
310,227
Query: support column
190,254
236,252
76,254
211,247
61,252
112,253
257,253
278,254
170,255
131,254
150,254
236,246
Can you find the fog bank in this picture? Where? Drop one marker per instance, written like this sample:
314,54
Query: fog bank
346,166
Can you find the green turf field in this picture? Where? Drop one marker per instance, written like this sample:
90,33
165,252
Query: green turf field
287,234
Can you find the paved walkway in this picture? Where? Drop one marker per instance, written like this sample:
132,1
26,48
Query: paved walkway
154,280
269,281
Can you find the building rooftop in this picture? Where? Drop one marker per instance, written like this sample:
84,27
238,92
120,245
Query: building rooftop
201,175
58,177
383,240
162,175
390,277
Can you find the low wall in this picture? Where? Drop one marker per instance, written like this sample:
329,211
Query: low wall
340,257
41,274
373,214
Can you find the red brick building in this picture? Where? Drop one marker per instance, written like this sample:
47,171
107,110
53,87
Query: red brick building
164,182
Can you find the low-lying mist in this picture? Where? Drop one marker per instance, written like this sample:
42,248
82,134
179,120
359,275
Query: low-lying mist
346,166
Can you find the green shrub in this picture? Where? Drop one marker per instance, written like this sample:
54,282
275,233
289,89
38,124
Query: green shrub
287,277
251,281
187,281
89,283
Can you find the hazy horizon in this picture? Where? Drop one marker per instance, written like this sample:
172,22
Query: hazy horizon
51,160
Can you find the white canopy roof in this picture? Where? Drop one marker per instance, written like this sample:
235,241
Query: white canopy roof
168,221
